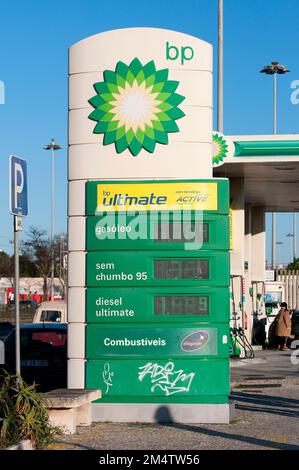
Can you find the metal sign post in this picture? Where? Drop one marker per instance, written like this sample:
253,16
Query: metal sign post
19,209
17,228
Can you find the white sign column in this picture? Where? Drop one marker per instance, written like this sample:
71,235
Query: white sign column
97,151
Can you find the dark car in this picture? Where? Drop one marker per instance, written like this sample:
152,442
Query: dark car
294,329
43,354
7,332
272,337
295,324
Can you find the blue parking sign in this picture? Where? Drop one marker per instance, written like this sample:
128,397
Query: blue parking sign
18,186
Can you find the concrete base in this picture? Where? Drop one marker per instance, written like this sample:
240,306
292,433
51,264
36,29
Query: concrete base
163,413
69,408
65,419
83,415
69,418
21,445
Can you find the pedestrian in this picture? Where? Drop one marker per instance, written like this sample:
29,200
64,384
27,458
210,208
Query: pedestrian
283,328
11,297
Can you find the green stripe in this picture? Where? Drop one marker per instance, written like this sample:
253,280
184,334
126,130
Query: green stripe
266,148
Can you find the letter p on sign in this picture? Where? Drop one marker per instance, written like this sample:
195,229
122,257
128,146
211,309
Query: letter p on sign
18,186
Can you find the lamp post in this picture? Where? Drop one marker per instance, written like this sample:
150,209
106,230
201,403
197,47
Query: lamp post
220,68
278,243
52,146
273,69
273,240
293,235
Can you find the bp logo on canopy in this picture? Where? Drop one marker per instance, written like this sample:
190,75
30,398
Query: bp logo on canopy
136,107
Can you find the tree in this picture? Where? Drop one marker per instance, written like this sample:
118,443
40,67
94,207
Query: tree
38,250
60,250
6,265
27,268
294,265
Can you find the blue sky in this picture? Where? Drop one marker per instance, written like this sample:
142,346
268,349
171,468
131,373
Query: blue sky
35,36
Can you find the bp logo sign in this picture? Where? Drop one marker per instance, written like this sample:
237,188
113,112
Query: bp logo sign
223,149
136,107
220,149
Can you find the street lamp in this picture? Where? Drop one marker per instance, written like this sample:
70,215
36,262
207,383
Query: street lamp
273,69
278,243
52,146
293,235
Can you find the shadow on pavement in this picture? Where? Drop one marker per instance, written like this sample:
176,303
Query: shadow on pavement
264,399
74,444
266,404
164,414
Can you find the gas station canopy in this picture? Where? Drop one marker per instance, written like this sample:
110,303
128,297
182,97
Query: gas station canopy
269,166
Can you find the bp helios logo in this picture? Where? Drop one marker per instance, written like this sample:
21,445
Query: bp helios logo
136,107
220,149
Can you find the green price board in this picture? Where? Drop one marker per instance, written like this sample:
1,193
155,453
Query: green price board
144,231
151,341
157,304
161,268
159,380
210,195
157,291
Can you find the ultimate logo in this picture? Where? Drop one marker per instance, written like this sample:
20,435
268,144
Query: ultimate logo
136,106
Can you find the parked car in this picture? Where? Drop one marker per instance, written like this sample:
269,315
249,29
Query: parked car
43,354
49,312
272,342
295,329
295,324
6,338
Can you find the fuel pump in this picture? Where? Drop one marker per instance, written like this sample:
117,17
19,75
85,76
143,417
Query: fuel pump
259,315
240,346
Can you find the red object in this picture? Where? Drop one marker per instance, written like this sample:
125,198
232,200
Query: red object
53,338
245,320
9,291
38,298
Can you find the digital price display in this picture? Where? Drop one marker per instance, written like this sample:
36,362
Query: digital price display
181,305
182,232
181,268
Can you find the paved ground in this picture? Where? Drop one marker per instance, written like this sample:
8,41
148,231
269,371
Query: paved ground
266,393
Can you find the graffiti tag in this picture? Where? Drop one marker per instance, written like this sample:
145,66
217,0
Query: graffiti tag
107,377
170,381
